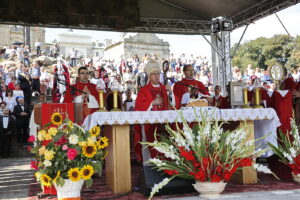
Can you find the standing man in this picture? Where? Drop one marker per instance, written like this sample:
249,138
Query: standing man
6,129
89,98
142,79
218,100
179,89
22,114
73,57
154,97
35,73
61,73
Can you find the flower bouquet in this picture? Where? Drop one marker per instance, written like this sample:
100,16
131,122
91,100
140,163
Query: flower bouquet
65,152
204,152
288,150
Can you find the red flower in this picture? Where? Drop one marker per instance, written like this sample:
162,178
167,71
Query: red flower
34,165
292,166
205,162
297,160
72,153
227,175
29,148
46,142
61,141
219,169
215,178
199,176
196,164
171,172
31,138
188,155
245,162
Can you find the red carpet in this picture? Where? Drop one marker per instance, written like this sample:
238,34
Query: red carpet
99,190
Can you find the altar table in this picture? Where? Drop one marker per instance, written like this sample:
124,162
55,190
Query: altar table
257,122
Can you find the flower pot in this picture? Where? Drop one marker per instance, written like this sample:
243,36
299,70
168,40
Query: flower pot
69,190
296,178
209,190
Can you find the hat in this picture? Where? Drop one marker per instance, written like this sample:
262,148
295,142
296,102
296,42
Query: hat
151,66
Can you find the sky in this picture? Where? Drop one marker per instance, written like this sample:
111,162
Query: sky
196,45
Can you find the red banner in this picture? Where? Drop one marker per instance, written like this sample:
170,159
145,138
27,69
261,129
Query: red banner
62,108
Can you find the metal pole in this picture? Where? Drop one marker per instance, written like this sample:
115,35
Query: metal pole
213,47
282,24
236,48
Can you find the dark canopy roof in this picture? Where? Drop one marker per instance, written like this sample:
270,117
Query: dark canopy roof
161,16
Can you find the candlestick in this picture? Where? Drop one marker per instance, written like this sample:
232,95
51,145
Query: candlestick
245,94
101,101
115,99
257,98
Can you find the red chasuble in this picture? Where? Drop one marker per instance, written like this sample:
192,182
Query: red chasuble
180,90
92,89
145,97
221,102
289,84
284,109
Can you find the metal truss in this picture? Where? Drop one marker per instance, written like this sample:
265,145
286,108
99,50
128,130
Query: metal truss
260,10
158,25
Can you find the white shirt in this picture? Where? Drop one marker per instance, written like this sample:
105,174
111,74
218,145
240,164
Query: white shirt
10,103
93,103
5,122
186,97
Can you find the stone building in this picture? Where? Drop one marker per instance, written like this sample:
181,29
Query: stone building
12,33
139,44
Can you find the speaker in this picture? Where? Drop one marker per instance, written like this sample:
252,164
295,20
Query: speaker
151,176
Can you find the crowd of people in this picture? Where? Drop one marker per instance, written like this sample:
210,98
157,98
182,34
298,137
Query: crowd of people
182,78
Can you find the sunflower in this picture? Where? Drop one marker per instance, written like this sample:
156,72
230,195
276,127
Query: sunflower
89,150
102,143
45,180
74,174
56,177
56,119
86,172
95,131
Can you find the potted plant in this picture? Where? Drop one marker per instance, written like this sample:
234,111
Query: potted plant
67,155
288,150
203,152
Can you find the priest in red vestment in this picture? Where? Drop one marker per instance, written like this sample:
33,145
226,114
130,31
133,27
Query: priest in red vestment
179,90
218,100
89,98
152,96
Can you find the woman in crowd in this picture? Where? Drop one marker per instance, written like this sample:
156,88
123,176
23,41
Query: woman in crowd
10,100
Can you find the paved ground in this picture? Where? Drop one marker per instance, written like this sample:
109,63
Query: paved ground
274,195
15,176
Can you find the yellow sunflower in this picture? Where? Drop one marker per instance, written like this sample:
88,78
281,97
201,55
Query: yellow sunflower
45,180
95,131
56,119
102,143
53,131
86,172
89,150
56,177
74,174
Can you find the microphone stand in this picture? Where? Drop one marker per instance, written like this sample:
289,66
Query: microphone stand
192,87
73,88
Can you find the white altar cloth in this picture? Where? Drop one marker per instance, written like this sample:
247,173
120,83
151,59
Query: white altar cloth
265,120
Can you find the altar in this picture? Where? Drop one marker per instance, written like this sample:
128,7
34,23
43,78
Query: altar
257,122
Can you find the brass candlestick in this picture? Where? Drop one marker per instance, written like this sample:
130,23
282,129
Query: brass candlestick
115,98
245,94
101,101
257,98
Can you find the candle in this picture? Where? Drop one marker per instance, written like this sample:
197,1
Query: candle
101,103
245,94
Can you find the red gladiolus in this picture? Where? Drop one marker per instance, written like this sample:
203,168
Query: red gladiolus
196,164
46,142
215,178
246,162
227,175
61,141
205,162
34,165
72,153
188,155
292,166
218,169
31,138
171,172
199,176
297,160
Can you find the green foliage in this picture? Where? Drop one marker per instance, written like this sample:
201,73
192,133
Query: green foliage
265,52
